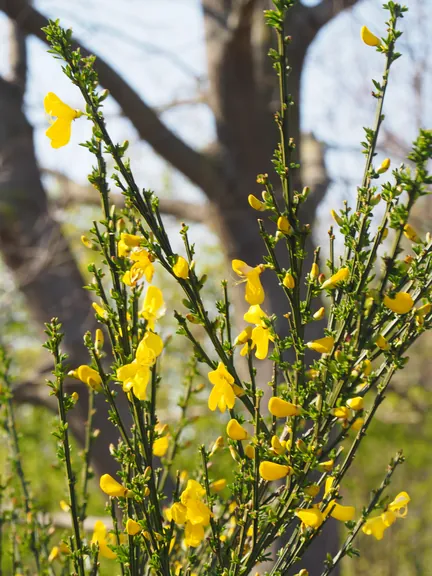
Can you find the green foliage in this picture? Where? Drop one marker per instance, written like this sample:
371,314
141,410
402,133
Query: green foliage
320,407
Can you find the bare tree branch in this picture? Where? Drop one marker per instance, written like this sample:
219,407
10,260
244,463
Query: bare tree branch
17,57
323,12
194,165
73,193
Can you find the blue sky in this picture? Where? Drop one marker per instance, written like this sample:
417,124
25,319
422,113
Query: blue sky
158,46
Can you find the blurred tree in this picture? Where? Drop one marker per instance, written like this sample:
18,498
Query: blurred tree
241,96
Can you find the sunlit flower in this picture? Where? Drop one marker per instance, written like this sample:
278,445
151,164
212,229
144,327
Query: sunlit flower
100,311
340,276
401,303
250,451
222,394
143,266
319,314
160,446
336,510
235,430
60,130
181,268
369,38
100,538
132,527
322,345
89,376
284,225
243,338
135,376
375,527
278,446
153,306
126,243
356,403
255,203
314,273
385,165
282,409
336,217
311,517
271,471
113,488
289,281
254,291
260,335
192,512
218,485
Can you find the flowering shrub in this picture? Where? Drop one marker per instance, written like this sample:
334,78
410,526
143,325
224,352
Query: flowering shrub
287,450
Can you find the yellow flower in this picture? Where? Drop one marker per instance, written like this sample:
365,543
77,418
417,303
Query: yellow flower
369,38
222,395
99,310
153,306
326,466
402,303
113,488
255,203
341,412
60,131
260,334
357,424
289,281
322,345
135,376
278,446
218,485
194,535
337,511
314,273
382,343
340,276
250,451
411,234
271,471
385,165
181,268
356,403
235,430
54,554
64,506
319,314
177,512
283,409
375,527
132,527
312,490
143,266
312,517
254,291
283,225
99,340
100,538
89,376
400,505
160,446
126,243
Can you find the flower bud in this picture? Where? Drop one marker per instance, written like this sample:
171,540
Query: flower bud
319,314
368,38
336,217
385,165
283,225
289,281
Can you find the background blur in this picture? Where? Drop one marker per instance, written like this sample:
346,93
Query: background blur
194,95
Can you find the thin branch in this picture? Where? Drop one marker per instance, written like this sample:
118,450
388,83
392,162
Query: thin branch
194,165
73,193
323,12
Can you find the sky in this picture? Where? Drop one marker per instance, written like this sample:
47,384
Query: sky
158,46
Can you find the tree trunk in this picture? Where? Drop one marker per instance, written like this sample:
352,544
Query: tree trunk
35,250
